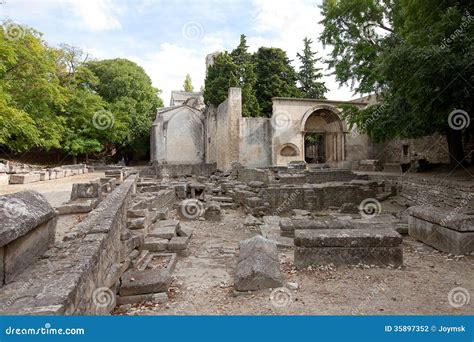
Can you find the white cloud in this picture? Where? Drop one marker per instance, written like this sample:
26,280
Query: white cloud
287,23
95,15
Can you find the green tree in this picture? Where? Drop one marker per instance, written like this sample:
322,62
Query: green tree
30,93
131,98
309,75
246,78
80,135
275,77
416,56
188,83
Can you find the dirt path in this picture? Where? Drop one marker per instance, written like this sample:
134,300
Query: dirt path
203,281
56,191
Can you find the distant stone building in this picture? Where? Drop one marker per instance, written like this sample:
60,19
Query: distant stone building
310,130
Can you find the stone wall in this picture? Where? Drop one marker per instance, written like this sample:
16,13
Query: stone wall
71,276
255,142
178,170
417,190
433,148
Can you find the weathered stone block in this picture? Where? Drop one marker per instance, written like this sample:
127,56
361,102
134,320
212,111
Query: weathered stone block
83,205
442,238
213,213
155,244
380,256
163,232
178,243
348,246
258,266
289,226
85,190
155,298
24,178
143,282
347,238
22,252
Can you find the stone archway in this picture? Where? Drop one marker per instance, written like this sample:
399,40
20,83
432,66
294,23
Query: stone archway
323,136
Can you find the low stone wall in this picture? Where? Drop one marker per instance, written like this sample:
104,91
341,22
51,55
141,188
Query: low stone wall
430,191
178,170
27,230
76,275
318,196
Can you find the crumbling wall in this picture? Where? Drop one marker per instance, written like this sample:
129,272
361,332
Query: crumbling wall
433,148
418,190
74,275
255,142
228,118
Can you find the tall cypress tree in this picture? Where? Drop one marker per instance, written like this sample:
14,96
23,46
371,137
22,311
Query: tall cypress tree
275,77
309,74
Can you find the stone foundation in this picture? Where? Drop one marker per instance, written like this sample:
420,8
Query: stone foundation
347,246
442,229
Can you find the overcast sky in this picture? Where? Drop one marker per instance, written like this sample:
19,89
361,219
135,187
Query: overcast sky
171,38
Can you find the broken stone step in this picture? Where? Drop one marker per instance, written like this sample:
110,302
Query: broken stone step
145,282
77,207
154,244
185,231
221,199
166,232
178,243
155,298
141,258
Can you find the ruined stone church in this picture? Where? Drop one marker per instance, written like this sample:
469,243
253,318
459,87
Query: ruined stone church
310,130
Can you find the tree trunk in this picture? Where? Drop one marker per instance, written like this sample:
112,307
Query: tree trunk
74,159
456,149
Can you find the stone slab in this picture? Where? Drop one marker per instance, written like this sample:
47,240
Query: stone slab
155,298
154,244
77,206
143,282
22,212
379,256
258,266
446,217
347,238
166,232
272,233
24,178
289,226
22,252
441,238
178,243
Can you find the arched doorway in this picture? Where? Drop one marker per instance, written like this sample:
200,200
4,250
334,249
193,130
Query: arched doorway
323,137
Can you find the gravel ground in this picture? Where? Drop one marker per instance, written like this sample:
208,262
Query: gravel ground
56,191
203,282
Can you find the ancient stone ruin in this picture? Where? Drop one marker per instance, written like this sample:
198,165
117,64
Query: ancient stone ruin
231,215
